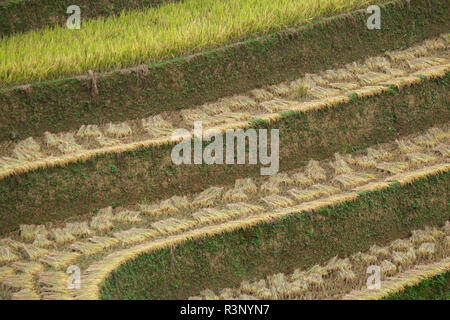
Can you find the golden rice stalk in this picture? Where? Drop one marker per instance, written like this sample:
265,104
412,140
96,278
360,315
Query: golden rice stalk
393,167
155,209
7,163
378,154
105,212
352,180
211,215
380,252
281,179
434,232
6,272
101,224
260,289
277,201
59,259
400,245
314,280
252,288
320,92
326,190
420,158
42,241
226,294
296,289
357,68
439,134
69,147
305,195
340,166
235,195
52,140
347,276
426,140
335,264
65,142
33,252
369,91
208,197
105,242
446,227
281,89
388,268
346,86
338,75
270,188
239,102
11,243
447,243
261,95
28,150
277,105
421,236
372,78
443,149
364,162
54,285
314,171
433,72
172,225
29,232
181,203
396,72
118,130
87,247
301,179
425,62
19,281
25,294
127,216
378,64
135,235
61,236
400,259
400,82
315,79
78,228
242,208
214,109
434,44
297,89
89,131
407,146
426,250
6,255
364,259
156,126
31,267
106,142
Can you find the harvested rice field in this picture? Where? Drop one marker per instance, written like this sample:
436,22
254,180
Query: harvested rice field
225,150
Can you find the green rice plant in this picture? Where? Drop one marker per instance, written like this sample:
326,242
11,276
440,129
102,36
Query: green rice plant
142,36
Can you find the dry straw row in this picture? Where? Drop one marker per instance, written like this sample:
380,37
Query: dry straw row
414,257
370,78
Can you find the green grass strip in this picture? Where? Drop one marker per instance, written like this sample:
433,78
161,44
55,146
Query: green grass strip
141,36
435,288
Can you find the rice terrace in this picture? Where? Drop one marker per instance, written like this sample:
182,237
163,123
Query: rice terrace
224,150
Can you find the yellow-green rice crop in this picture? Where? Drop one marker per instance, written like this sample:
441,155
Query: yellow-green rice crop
143,36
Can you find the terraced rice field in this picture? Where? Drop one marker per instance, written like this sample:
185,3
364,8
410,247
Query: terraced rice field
363,169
